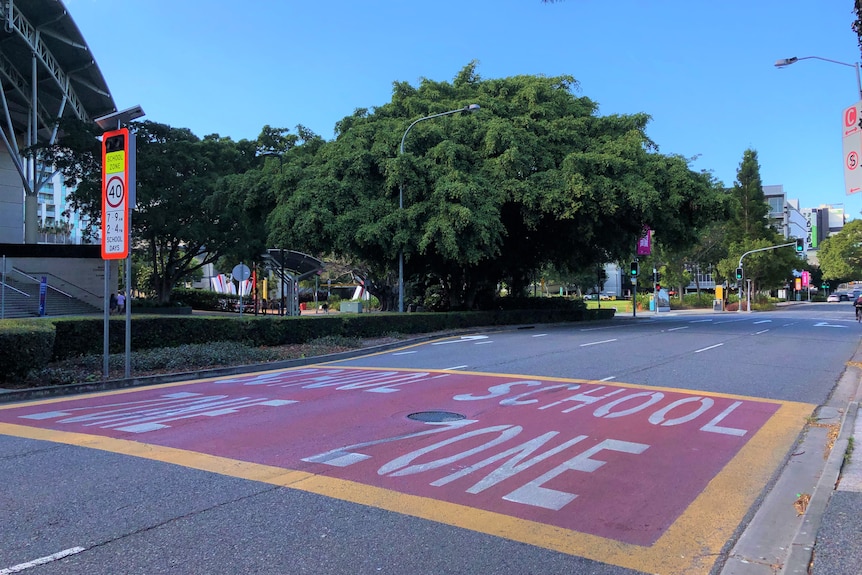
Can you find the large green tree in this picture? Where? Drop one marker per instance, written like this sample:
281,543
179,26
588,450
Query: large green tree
841,255
536,177
180,223
750,213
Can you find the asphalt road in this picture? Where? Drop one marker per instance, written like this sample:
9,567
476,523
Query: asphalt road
633,446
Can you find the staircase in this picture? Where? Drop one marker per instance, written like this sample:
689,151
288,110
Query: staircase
21,299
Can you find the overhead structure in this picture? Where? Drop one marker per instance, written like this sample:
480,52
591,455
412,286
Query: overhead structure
291,267
46,72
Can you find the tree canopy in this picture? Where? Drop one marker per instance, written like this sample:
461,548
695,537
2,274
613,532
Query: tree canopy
536,177
841,255
179,219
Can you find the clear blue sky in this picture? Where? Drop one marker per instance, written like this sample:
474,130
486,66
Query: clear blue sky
703,70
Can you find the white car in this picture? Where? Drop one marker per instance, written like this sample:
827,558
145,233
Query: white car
833,297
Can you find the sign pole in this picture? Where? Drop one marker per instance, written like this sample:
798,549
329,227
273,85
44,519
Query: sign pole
116,152
106,320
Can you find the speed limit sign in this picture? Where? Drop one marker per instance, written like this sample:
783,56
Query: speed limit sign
115,196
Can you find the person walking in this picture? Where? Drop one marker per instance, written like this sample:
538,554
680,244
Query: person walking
112,304
121,302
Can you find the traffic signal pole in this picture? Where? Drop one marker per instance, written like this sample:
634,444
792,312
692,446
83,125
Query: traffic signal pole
799,243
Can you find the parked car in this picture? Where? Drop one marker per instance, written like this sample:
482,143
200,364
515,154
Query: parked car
843,297
833,297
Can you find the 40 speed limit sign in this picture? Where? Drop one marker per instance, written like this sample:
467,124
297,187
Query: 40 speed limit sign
115,194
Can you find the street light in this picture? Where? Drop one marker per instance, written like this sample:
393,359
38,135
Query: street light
788,61
470,108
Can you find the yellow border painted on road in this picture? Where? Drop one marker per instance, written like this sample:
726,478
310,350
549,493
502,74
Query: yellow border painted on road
690,546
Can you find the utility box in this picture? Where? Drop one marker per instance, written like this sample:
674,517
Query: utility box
351,307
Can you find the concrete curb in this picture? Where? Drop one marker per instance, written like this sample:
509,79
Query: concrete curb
15,395
802,548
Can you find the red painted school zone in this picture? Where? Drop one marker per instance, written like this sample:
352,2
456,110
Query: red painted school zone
613,460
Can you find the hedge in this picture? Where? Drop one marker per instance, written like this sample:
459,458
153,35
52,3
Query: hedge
26,344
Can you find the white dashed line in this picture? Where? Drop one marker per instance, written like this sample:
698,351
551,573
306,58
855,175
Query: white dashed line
608,378
678,328
456,367
41,560
761,331
710,347
540,335
405,352
597,342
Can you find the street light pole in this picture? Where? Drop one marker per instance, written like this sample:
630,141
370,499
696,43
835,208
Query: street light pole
788,61
470,108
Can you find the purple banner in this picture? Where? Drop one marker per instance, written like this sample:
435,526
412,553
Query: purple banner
645,243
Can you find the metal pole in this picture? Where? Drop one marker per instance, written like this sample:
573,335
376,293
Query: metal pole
106,320
127,372
282,302
401,251
470,108
239,284
635,294
3,292
858,80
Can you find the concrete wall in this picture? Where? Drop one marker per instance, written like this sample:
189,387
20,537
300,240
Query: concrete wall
76,270
11,201
83,279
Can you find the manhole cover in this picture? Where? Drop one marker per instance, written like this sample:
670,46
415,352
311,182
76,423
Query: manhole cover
435,416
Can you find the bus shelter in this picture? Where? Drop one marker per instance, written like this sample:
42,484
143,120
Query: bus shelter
290,267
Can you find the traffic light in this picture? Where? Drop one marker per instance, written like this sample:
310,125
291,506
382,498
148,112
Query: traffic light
800,245
739,273
657,277
634,271
657,288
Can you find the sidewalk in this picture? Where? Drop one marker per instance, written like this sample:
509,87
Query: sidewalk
826,538
838,548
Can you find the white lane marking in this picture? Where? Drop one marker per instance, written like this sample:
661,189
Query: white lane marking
824,324
597,342
677,328
608,378
598,328
763,321
42,560
405,352
482,342
463,338
456,367
540,335
761,331
730,321
710,347
700,321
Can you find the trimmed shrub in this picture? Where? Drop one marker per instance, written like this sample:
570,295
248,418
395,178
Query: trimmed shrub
24,346
198,299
